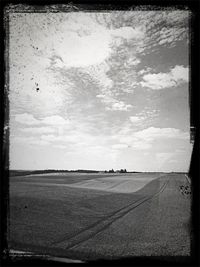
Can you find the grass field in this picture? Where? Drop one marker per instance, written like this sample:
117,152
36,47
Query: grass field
92,216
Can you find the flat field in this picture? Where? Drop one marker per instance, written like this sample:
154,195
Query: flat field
93,216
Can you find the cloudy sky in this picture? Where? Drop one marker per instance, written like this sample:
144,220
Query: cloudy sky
99,90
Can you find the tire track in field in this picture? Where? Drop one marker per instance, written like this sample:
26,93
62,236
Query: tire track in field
92,230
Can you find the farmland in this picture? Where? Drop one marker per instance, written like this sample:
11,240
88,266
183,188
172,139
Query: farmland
93,216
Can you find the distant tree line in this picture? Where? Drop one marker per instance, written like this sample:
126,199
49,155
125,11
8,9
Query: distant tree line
29,172
117,171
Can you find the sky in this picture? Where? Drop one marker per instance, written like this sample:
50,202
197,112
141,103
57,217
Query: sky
99,90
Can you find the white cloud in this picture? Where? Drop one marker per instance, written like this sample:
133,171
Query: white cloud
132,62
173,161
60,146
29,119
51,138
26,118
119,146
73,137
38,130
143,71
128,32
54,120
98,74
28,141
170,35
120,106
113,104
153,133
93,48
163,28
100,96
83,51
157,81
180,73
140,145
143,140
135,119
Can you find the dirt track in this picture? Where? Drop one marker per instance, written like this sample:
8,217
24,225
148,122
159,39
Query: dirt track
84,223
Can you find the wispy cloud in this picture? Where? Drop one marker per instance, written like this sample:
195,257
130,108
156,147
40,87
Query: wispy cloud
163,28
153,133
38,130
136,119
157,81
120,106
144,71
119,146
113,104
26,119
144,139
28,141
29,119
54,120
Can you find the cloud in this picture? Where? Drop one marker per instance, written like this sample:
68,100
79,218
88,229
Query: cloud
135,119
83,51
143,140
26,119
60,146
176,76
180,73
98,74
53,138
91,48
29,119
119,106
38,130
140,145
28,141
72,137
132,62
163,28
119,146
54,120
113,104
128,32
100,96
153,133
143,71
143,117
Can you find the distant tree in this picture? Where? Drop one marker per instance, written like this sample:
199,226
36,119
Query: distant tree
123,171
111,171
